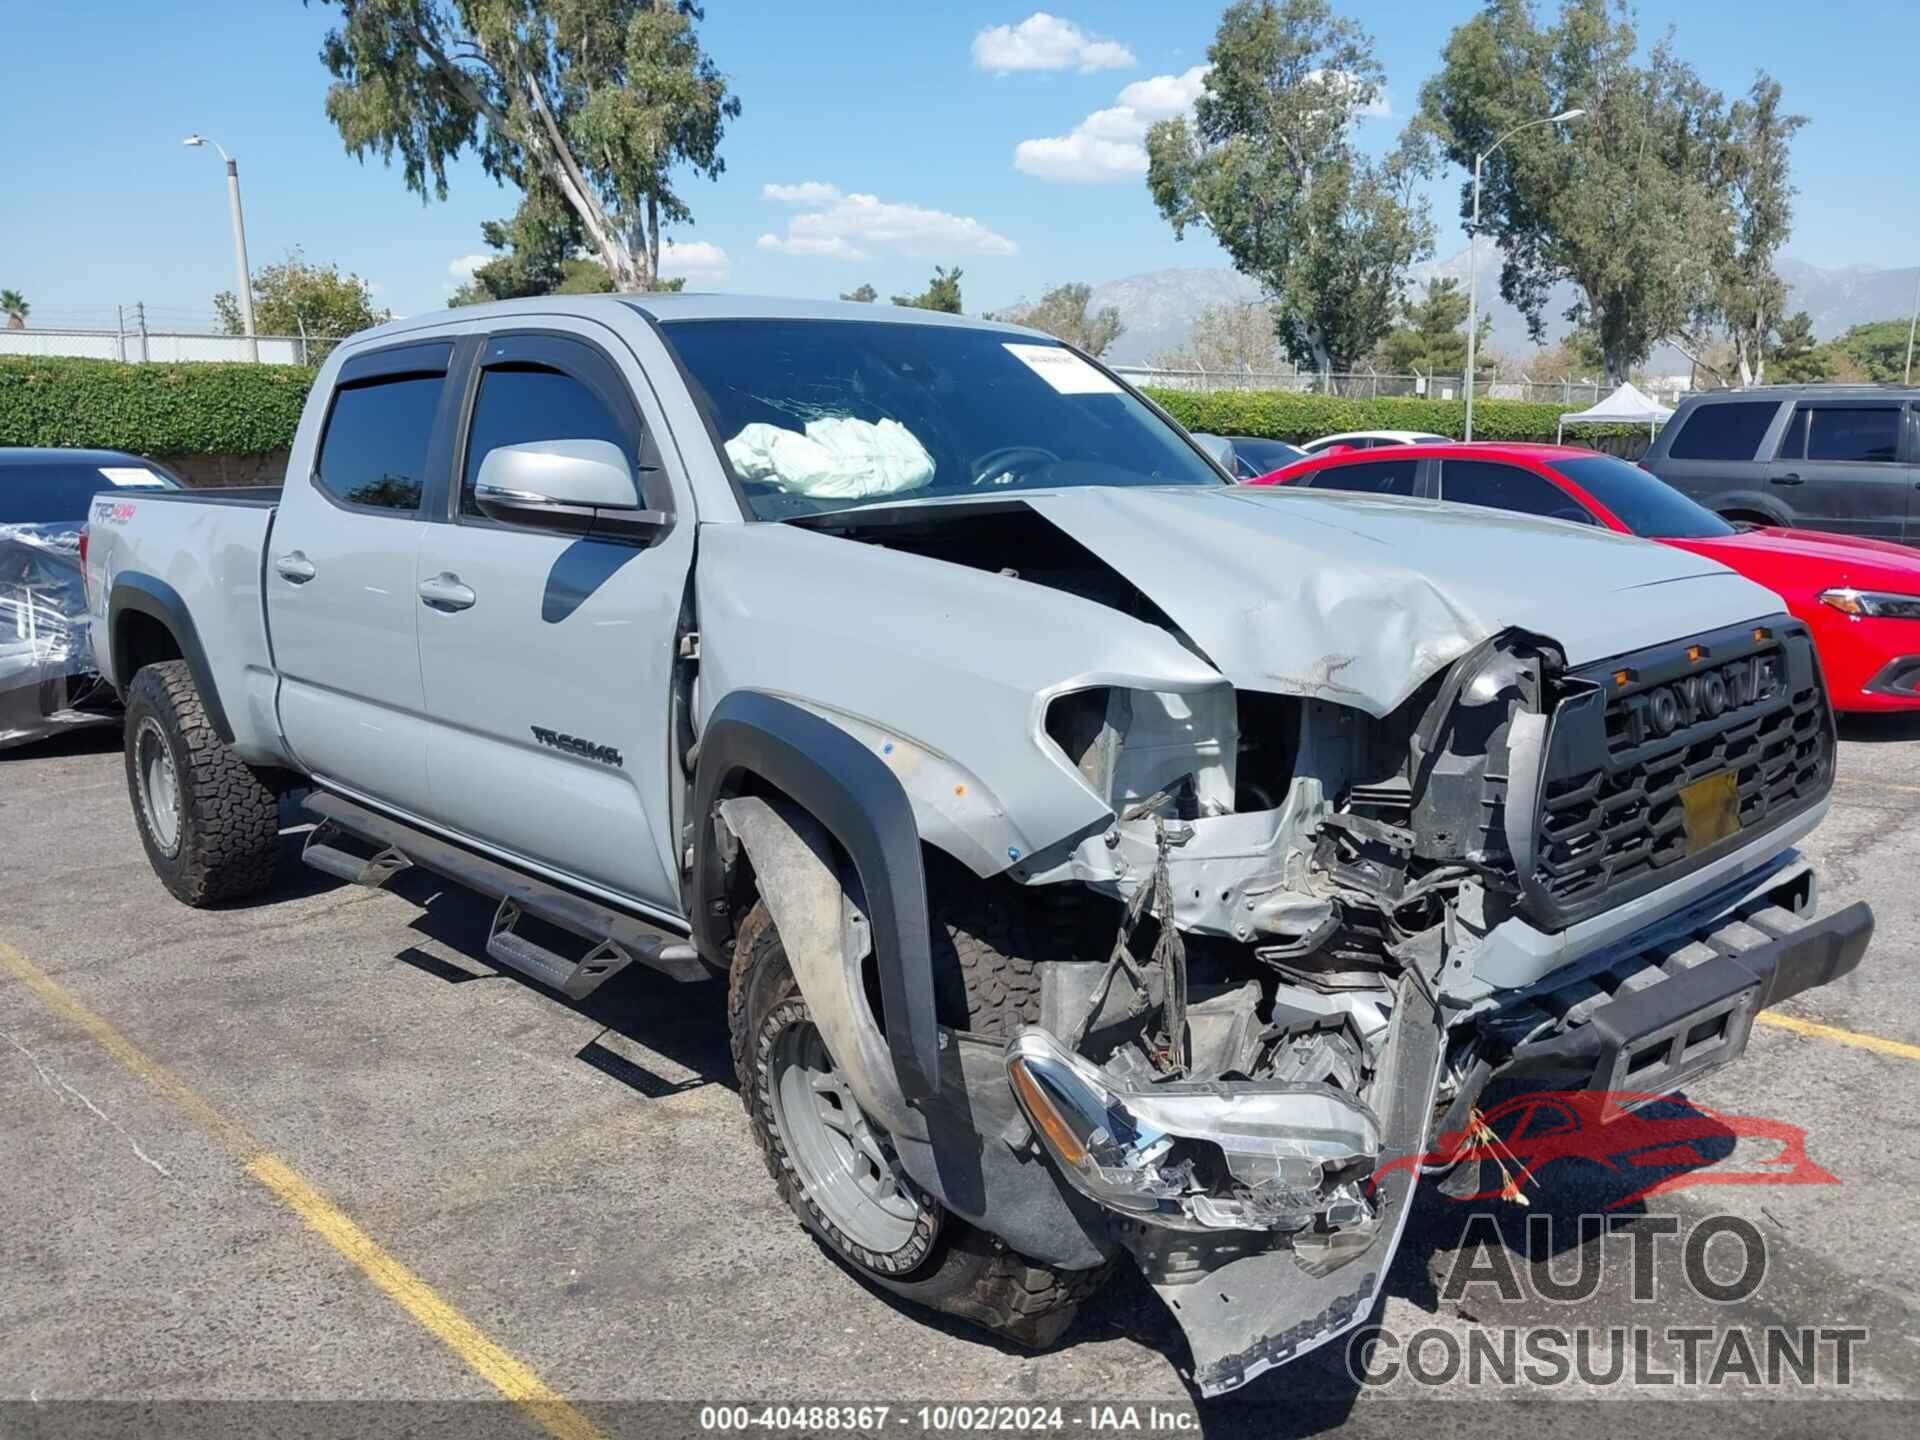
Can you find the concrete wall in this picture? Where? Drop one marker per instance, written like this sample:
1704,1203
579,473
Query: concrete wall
158,347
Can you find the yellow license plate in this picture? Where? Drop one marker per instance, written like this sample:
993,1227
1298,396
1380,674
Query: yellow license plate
1712,810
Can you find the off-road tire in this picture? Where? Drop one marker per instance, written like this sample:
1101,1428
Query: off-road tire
950,1265
229,816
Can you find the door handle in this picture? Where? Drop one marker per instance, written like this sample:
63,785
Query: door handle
1790,478
445,592
295,568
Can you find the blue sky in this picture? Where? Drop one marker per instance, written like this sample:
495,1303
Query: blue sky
882,130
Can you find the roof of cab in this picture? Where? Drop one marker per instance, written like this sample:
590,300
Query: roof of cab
666,307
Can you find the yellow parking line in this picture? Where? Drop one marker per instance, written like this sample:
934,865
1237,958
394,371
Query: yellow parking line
1837,1035
512,1378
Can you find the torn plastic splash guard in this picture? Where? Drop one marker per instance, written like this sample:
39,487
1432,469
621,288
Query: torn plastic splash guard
1265,1302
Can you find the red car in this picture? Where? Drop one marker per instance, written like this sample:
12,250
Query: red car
1860,597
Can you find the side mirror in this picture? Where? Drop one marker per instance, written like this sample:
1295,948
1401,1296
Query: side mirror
574,485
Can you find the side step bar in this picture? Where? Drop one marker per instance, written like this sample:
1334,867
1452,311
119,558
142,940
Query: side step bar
618,939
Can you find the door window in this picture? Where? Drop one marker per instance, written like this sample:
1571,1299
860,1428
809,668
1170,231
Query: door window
1375,477
1843,434
521,403
1731,430
374,451
1507,487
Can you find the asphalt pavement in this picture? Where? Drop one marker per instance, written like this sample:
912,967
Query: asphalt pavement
315,1148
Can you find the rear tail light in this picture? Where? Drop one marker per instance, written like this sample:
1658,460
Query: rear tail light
86,586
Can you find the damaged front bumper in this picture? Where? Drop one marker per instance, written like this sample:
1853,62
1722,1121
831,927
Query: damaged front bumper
1283,1244
1267,1215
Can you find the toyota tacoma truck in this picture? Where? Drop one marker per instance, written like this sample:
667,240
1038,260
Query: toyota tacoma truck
1105,863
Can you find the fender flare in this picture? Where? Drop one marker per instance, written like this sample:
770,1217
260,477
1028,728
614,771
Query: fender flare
148,595
856,800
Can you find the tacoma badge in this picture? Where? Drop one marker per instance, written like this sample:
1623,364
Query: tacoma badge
574,745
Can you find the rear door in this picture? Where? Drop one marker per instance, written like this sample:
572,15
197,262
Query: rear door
1840,467
1370,477
549,687
1716,451
340,576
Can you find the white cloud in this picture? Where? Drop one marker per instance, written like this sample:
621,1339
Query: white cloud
807,192
1046,42
463,268
1110,144
855,227
700,261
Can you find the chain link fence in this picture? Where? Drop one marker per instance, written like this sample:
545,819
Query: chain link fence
1566,390
139,334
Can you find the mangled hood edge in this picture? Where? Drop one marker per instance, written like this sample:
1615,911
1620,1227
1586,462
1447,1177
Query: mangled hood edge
1359,600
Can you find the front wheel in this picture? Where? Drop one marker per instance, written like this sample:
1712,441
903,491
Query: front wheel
837,1171
210,823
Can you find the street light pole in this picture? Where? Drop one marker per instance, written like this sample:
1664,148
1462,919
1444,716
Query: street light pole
1473,245
244,273
1911,324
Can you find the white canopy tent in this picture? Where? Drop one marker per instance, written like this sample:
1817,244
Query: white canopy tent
1625,406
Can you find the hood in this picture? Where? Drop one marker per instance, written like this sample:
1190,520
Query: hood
1359,599
1811,558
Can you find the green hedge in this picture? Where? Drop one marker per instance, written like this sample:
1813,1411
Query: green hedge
210,409
198,409
1279,415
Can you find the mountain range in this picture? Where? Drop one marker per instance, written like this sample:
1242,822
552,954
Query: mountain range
1158,308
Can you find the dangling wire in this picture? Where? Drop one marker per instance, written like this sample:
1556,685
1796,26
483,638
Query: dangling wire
1169,950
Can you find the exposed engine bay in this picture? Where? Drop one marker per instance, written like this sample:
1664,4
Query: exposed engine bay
1280,895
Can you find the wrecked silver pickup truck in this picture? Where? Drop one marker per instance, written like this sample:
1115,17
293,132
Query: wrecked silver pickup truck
1105,861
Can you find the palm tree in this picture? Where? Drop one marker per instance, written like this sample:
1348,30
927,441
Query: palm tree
15,304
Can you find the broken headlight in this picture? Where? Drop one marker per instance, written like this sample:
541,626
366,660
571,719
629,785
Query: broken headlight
1130,744
1197,1155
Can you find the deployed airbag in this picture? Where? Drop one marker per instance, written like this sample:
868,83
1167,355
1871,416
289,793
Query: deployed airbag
837,458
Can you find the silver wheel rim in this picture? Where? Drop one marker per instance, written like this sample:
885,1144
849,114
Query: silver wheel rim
835,1150
159,785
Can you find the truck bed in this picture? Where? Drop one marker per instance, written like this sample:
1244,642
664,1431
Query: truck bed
196,557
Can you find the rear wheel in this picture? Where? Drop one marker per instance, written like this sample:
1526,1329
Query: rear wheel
209,821
837,1169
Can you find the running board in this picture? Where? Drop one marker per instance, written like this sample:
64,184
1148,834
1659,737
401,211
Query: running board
618,939
323,852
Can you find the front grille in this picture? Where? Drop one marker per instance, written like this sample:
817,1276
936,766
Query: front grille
1612,823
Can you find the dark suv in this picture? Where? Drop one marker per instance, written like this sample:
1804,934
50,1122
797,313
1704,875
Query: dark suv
1824,457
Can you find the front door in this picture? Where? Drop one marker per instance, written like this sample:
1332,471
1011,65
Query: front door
547,678
340,585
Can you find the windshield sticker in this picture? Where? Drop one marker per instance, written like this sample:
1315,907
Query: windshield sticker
1065,371
133,477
